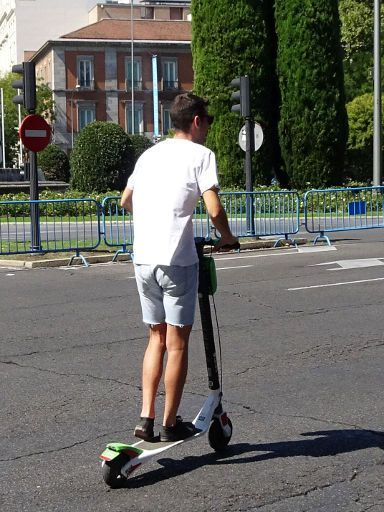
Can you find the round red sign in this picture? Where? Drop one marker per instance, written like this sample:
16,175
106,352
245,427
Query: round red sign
35,132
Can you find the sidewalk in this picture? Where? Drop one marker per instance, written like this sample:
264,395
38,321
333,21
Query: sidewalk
63,259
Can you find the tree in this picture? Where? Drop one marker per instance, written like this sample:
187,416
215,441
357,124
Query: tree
356,26
45,107
359,159
231,39
313,122
357,40
54,163
102,158
140,144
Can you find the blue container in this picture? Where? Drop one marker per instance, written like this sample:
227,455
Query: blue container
357,208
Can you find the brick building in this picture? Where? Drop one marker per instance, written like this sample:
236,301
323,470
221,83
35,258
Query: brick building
91,74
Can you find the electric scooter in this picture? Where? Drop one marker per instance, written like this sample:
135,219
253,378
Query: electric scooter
120,460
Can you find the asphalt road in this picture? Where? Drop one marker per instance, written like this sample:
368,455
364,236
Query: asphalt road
302,340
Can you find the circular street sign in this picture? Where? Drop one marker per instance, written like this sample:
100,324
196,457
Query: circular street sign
258,137
35,132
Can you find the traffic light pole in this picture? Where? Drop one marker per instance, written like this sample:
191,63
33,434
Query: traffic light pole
249,150
34,196
243,96
27,86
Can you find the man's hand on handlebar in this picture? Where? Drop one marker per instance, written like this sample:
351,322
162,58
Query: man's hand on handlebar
227,243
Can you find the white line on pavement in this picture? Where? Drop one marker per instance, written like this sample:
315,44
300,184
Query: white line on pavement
239,266
335,284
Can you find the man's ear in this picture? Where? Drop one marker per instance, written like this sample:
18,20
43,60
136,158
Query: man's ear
196,121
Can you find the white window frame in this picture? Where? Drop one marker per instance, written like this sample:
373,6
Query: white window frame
147,13
137,74
84,62
170,79
166,119
89,110
139,117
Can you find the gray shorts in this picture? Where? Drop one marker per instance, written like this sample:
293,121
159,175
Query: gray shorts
167,293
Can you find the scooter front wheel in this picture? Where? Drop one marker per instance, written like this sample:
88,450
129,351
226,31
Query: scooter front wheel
112,471
217,439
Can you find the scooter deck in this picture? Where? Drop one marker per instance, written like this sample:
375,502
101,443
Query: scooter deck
157,445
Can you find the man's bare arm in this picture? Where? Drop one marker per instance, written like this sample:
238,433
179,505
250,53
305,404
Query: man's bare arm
126,199
218,217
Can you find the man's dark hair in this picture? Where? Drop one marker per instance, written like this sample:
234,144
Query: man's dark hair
185,107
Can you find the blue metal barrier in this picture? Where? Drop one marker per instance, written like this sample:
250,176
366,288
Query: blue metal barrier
275,213
117,225
65,225
343,209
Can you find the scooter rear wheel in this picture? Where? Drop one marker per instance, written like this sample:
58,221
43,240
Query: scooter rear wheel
217,440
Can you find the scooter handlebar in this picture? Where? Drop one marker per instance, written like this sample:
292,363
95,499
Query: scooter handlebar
211,242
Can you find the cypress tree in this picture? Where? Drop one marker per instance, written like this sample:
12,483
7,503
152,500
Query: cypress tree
313,122
231,39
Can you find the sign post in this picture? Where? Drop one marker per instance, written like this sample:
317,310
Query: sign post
35,134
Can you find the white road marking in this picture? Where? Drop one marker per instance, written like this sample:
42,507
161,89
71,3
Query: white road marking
348,264
9,274
223,258
240,266
334,284
287,252
317,249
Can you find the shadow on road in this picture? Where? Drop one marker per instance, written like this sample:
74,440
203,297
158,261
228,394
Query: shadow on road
326,443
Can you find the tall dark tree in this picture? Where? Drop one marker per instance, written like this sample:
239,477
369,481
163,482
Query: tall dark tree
313,124
230,39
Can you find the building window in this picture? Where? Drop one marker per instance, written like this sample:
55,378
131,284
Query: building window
85,76
167,123
138,118
137,76
176,13
170,78
86,114
147,13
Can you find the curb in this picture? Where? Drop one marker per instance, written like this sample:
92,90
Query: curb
105,258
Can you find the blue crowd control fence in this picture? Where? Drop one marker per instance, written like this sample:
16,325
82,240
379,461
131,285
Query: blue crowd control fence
343,209
117,225
274,213
65,225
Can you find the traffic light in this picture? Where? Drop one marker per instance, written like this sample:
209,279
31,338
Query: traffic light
27,85
242,96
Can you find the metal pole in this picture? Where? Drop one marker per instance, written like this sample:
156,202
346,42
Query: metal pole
377,123
155,98
2,127
20,141
249,150
72,119
132,80
34,195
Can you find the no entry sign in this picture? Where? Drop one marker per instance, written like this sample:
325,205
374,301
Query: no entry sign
35,132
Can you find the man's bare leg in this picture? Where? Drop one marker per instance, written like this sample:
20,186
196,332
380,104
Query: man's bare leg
153,368
175,370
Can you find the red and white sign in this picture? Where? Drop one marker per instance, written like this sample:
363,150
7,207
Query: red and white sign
35,132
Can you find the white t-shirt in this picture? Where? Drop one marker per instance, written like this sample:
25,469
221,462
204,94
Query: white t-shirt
167,182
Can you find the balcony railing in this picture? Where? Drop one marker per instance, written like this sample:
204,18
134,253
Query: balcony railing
170,85
86,85
137,85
